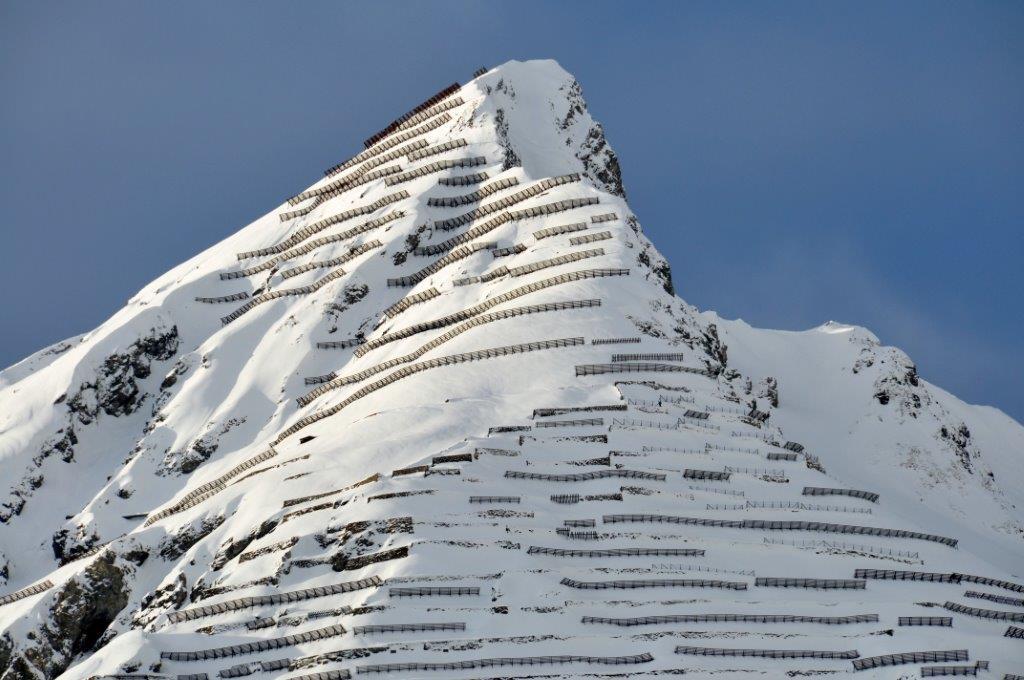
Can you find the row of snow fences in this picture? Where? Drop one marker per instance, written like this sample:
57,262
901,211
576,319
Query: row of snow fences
305,210
409,301
607,217
518,197
1013,601
358,180
320,225
338,187
615,341
505,661
577,535
590,238
275,599
789,505
33,589
945,621
560,411
788,525
349,181
855,493
204,491
494,499
305,499
946,671
755,471
433,591
768,653
514,249
640,367
955,577
653,583
302,290
910,657
1014,632
436,166
733,618
406,628
332,381
793,446
502,429
993,614
310,246
390,143
474,196
617,552
578,422
409,470
257,624
450,145
656,356
454,256
482,307
333,262
706,474
560,229
464,180
412,369
566,498
431,107
778,455
452,458
580,523
223,298
554,261
814,583
586,476
258,646
340,344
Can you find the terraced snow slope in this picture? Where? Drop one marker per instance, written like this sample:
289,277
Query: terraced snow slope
442,415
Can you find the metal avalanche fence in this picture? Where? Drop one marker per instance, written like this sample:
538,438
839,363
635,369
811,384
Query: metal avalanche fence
910,657
470,312
732,618
506,661
436,166
270,600
33,589
348,181
258,646
784,525
303,290
411,369
333,262
307,231
464,180
653,583
310,246
769,653
474,196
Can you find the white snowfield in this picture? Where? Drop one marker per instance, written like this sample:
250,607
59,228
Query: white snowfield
443,416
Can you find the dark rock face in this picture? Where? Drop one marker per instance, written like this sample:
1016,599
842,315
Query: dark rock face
114,392
80,615
511,157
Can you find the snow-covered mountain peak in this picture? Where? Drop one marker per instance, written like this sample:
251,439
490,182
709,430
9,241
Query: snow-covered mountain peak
425,415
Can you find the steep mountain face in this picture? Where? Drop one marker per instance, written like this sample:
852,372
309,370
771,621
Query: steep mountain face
442,413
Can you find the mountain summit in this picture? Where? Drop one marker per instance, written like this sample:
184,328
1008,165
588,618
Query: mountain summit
442,414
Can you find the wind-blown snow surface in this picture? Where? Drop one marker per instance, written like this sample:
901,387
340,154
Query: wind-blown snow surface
167,461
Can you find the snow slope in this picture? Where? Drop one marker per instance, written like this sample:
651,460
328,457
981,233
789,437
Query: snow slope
517,419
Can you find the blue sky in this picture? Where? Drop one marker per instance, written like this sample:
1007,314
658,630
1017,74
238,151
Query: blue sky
796,162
